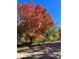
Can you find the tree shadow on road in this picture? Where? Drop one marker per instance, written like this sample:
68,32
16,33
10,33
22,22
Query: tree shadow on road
42,57
56,47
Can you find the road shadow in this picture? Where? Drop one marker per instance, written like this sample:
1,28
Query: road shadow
51,47
39,58
42,57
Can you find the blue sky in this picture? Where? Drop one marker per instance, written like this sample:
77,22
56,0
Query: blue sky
53,7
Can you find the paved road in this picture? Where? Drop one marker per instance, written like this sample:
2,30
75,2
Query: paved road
45,51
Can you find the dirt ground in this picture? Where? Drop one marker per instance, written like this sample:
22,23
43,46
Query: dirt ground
45,51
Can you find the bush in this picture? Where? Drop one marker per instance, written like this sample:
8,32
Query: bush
53,34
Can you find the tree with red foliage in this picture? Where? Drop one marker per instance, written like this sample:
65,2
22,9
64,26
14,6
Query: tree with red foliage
33,20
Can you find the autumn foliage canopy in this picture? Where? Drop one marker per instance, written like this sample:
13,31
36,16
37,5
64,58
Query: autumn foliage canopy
33,18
